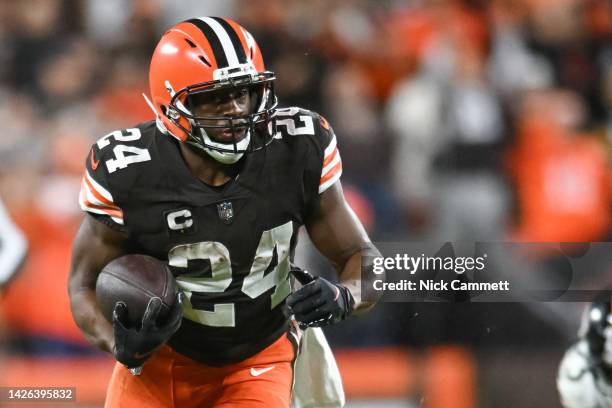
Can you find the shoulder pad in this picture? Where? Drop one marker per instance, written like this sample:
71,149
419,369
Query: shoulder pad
319,135
111,167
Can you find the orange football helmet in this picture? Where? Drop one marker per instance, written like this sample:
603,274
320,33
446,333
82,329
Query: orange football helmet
204,55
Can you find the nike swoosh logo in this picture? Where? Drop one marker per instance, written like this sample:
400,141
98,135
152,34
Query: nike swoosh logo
94,163
257,372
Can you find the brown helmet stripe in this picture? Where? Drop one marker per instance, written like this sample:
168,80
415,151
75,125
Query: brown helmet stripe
213,39
233,35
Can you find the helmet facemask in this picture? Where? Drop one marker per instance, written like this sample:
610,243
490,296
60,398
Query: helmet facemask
249,132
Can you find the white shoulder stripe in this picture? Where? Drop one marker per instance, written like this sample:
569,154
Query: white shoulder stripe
331,165
101,190
82,202
88,208
226,42
330,182
87,194
330,148
117,220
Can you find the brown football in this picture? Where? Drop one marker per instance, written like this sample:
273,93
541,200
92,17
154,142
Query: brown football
135,279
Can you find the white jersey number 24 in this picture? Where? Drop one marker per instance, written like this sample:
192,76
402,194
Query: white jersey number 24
254,285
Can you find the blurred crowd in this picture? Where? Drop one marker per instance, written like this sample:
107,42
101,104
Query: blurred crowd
456,120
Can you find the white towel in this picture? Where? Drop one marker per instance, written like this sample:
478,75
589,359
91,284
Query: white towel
317,381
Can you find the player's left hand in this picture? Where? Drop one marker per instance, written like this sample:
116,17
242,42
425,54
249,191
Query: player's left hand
320,303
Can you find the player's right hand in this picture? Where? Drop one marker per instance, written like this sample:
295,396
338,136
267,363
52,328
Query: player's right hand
133,346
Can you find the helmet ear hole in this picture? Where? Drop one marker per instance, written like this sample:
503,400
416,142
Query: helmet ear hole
163,109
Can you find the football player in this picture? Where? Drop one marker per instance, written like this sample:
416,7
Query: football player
585,374
218,186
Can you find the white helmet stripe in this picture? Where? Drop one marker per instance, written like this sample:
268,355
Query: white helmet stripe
226,42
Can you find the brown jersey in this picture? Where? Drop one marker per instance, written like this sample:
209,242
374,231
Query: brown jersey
229,247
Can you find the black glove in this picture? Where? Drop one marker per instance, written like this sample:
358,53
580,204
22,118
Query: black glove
320,303
134,346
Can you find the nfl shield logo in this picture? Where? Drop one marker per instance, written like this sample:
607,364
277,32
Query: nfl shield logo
225,211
